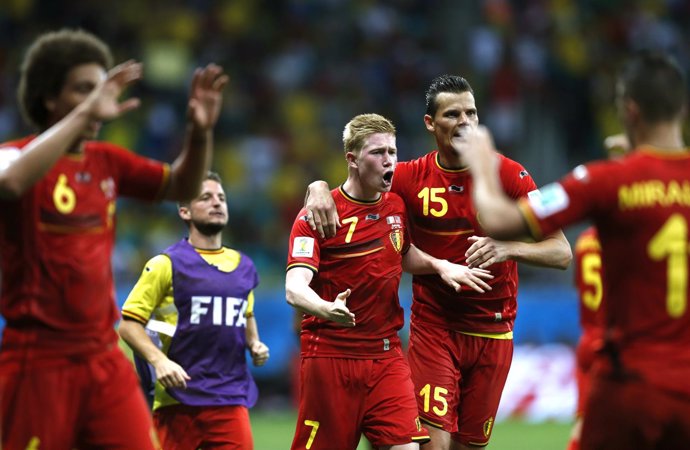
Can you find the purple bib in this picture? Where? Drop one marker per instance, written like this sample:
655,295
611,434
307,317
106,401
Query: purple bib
210,341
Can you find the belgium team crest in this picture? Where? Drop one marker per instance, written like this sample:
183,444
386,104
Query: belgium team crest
397,240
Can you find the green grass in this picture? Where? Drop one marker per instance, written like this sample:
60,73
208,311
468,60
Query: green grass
274,430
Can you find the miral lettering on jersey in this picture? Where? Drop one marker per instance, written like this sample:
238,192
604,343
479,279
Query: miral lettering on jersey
650,193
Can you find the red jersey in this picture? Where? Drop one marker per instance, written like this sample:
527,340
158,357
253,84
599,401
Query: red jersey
640,206
56,243
441,217
365,256
589,283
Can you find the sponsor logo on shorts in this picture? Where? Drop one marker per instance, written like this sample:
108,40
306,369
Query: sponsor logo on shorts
418,423
386,344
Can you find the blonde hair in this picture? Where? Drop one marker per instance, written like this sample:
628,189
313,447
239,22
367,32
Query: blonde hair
363,126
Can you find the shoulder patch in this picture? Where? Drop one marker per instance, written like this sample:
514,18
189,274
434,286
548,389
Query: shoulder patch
303,247
548,200
7,155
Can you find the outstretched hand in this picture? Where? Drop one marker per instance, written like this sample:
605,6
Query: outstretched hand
206,96
486,251
456,275
102,103
337,310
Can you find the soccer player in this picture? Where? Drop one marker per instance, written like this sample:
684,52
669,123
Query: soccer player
63,381
353,375
640,205
458,384
199,295
590,289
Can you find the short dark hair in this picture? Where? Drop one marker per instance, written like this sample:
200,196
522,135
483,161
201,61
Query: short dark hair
46,64
656,83
210,175
445,83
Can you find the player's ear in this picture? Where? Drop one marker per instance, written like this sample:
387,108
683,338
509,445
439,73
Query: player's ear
351,159
184,213
429,122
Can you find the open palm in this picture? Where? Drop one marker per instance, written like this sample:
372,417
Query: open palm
206,96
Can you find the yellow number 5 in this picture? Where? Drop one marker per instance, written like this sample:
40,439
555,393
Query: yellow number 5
591,276
64,197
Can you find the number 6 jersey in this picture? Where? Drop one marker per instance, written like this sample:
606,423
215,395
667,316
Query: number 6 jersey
62,229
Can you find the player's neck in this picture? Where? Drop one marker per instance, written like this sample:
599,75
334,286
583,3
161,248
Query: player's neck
666,137
355,189
77,147
204,242
449,159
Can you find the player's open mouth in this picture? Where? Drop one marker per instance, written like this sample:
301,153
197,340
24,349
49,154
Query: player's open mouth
388,176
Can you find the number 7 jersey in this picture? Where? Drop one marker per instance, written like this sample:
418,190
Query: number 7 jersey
640,206
365,256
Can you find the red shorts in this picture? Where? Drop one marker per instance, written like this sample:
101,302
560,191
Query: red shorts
585,353
624,415
343,398
84,402
458,379
182,427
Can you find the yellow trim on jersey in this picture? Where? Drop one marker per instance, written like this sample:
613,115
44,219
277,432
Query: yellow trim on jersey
165,183
353,255
438,164
152,297
301,264
586,243
505,336
351,199
67,229
661,153
530,218
446,233
437,425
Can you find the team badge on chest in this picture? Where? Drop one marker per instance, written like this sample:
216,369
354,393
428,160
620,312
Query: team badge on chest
397,239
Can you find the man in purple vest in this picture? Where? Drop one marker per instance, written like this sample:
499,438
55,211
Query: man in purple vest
198,296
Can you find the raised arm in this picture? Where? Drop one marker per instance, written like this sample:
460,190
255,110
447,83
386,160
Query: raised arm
322,214
205,101
500,215
21,170
301,296
417,262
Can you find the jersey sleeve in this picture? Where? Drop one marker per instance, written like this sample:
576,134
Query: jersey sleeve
516,181
303,248
250,305
151,289
583,193
139,177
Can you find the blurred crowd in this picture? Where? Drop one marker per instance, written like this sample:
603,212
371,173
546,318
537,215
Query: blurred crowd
542,71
